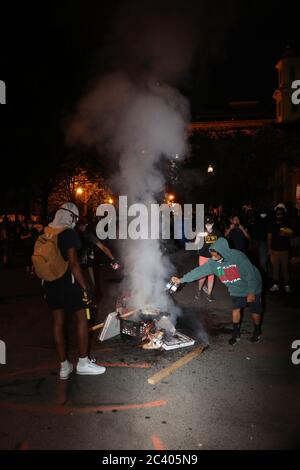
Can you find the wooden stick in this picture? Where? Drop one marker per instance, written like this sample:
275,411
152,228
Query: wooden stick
126,315
154,379
96,327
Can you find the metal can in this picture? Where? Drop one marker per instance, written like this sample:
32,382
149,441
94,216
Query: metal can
171,287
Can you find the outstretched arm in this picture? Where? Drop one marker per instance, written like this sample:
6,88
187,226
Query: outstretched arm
105,250
195,274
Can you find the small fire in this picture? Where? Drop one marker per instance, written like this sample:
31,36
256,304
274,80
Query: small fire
152,328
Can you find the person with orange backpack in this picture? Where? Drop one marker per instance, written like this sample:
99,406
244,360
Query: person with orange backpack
55,262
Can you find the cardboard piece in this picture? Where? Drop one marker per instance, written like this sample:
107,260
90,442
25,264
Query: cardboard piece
111,327
179,340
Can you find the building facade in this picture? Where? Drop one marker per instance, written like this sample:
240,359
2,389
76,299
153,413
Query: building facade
288,68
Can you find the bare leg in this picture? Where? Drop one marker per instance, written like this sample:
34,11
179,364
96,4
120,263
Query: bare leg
58,332
236,315
256,318
210,284
82,333
202,282
236,323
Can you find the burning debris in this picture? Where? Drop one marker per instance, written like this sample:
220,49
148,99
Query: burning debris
149,326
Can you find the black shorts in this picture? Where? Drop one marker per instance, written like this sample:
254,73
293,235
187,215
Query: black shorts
241,302
64,294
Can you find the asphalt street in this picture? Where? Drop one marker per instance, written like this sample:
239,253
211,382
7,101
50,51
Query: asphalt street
229,397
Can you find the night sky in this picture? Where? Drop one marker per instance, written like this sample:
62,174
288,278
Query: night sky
51,51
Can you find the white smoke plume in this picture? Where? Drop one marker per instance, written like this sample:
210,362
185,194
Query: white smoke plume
139,123
137,116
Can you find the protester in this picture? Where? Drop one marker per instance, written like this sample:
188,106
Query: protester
220,219
260,230
90,242
69,293
279,235
105,279
242,279
28,236
248,214
237,235
209,237
38,225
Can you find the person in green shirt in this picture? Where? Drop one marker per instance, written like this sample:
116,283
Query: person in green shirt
242,280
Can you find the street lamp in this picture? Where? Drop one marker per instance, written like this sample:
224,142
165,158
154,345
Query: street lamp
79,191
170,198
210,169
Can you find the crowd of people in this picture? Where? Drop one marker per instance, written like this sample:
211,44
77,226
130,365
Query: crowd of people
242,248
270,237
18,235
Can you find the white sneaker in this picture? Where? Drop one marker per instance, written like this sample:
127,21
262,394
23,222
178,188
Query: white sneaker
274,288
89,368
287,289
66,369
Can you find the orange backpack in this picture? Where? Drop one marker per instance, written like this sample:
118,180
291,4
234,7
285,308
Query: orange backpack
47,259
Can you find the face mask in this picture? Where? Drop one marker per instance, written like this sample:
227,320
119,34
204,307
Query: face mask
218,260
263,216
75,219
73,224
209,227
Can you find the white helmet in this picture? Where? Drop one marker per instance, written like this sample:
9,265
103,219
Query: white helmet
71,207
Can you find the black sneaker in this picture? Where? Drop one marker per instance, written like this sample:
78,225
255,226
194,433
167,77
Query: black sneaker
233,340
255,338
210,298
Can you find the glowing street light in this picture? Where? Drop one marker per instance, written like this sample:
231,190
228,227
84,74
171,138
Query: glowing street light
210,169
110,201
79,192
170,198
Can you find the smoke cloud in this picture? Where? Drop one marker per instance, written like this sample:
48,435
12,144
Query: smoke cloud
138,123
137,116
